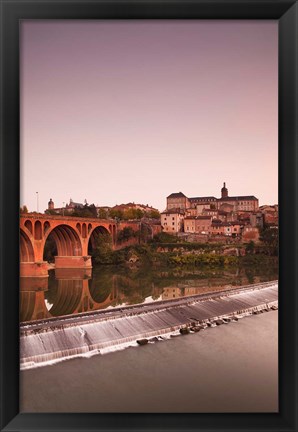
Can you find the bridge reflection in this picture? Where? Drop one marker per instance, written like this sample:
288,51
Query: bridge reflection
72,293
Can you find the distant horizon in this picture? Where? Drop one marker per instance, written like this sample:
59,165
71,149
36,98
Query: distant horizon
145,203
134,110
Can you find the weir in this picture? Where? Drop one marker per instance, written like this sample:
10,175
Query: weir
47,341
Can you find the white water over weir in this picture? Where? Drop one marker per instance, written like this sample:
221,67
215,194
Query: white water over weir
48,341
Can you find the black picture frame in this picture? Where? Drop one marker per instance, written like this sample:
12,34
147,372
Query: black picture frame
286,11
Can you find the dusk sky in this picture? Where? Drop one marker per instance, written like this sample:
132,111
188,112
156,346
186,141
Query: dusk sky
122,111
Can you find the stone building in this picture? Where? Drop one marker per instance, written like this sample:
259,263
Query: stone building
250,233
197,224
229,204
177,201
226,215
257,219
172,220
270,214
74,205
51,204
202,202
236,203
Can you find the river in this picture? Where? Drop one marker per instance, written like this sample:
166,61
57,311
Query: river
71,291
230,368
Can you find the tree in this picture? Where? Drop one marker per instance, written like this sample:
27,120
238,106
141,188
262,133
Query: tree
51,212
102,213
116,214
153,214
50,249
88,211
269,236
103,252
23,209
250,248
164,237
125,234
132,213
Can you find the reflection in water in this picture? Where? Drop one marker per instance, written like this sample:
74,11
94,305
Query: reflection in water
71,291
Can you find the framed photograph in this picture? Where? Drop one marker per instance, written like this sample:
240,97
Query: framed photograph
148,215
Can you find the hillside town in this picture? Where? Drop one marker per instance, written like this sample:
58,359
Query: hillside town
207,216
195,219
123,211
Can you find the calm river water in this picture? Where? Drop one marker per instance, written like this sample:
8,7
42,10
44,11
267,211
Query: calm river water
230,368
69,291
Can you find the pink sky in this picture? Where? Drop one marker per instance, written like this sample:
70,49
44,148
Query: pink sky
119,111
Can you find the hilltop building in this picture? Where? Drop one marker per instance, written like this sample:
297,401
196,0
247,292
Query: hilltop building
71,207
197,224
172,220
227,215
51,204
177,201
131,205
197,205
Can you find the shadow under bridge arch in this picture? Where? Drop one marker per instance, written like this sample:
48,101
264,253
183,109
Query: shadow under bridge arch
26,248
64,241
100,237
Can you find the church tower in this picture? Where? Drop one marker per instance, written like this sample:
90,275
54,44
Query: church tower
51,205
224,191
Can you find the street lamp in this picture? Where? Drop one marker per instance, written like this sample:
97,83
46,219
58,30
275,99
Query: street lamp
37,202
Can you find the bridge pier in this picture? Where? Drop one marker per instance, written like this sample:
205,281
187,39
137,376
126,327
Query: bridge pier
34,269
29,283
73,273
73,262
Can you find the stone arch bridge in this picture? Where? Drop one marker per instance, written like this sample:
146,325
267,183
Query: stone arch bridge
74,237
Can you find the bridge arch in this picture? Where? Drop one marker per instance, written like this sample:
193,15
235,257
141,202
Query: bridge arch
95,235
28,225
78,227
46,227
67,240
26,248
37,230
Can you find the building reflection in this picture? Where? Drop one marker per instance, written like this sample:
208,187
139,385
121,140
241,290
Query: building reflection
73,291
171,293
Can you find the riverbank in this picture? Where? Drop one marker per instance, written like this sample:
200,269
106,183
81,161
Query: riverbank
184,254
229,368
